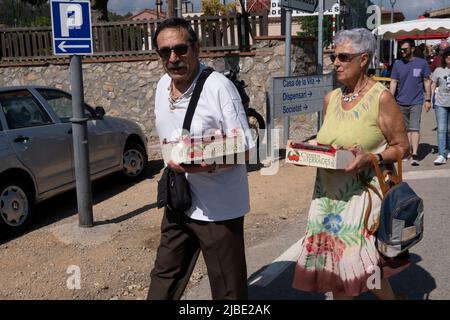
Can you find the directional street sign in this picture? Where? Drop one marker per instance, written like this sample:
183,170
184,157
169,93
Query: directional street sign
303,5
331,7
71,26
297,95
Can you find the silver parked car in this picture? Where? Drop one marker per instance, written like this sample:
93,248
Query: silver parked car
36,149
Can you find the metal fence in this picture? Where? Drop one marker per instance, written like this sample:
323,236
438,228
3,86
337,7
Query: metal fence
128,38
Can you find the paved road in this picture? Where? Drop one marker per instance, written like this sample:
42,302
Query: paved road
271,263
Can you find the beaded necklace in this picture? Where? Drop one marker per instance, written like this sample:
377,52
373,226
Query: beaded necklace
349,97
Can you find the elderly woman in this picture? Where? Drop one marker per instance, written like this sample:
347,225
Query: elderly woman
337,253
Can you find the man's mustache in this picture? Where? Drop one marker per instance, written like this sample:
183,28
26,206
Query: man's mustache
176,65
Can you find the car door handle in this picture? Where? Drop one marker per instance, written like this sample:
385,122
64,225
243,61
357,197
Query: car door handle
70,131
21,139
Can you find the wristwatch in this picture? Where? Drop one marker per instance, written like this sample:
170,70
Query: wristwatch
380,158
428,100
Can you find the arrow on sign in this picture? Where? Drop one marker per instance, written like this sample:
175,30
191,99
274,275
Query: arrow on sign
63,46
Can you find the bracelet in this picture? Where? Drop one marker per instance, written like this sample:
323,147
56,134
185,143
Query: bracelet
428,100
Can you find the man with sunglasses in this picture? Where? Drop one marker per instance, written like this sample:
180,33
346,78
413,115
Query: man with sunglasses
411,75
214,224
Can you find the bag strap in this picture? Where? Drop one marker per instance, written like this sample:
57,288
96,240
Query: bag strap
395,179
195,96
383,185
369,209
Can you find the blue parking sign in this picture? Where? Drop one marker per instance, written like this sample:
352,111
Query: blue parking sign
71,26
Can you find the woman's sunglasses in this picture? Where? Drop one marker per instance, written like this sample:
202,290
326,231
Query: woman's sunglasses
179,49
344,57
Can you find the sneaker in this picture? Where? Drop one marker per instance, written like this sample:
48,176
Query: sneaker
440,160
415,160
448,155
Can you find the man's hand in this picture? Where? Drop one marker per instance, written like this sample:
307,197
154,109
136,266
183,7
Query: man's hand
427,106
195,168
190,168
175,166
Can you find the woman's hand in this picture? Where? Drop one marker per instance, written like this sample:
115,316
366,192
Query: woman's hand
362,160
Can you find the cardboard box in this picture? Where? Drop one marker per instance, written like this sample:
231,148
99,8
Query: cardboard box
321,156
210,149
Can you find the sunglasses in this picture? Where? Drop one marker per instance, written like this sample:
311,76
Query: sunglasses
344,57
179,49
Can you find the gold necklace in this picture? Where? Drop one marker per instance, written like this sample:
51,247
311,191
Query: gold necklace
347,97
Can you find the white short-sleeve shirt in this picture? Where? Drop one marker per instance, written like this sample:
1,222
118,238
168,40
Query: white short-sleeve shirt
441,76
221,195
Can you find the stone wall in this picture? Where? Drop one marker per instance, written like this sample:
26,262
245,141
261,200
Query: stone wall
126,89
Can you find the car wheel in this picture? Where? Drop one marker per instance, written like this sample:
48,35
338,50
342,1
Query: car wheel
16,205
134,161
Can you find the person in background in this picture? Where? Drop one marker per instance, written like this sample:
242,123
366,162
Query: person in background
411,75
420,51
337,253
437,60
440,87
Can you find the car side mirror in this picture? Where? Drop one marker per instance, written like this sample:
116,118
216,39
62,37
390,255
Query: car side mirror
100,112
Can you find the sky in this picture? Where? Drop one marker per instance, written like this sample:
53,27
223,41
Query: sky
411,8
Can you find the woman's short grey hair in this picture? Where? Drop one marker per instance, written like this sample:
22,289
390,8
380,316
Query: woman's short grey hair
362,40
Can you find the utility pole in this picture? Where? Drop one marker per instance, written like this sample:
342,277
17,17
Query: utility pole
158,8
287,64
392,21
320,10
179,9
171,6
379,18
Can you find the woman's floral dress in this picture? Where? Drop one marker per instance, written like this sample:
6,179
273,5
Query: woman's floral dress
337,254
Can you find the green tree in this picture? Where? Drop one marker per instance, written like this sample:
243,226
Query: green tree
357,13
41,22
23,13
216,7
117,17
309,27
99,8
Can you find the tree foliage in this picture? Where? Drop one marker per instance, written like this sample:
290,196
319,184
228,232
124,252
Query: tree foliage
309,27
216,7
24,13
99,7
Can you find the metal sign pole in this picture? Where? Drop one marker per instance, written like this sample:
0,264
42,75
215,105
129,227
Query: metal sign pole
287,65
179,9
320,53
72,35
80,145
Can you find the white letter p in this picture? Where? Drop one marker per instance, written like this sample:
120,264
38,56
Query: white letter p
71,17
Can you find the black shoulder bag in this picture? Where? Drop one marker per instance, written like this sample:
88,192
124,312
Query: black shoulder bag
173,187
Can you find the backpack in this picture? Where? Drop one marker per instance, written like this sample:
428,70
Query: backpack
400,225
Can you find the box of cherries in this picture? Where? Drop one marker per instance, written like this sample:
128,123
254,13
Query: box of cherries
318,155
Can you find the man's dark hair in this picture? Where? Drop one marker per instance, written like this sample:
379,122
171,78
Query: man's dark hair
409,41
175,23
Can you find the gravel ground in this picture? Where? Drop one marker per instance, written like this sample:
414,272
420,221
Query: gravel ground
114,258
